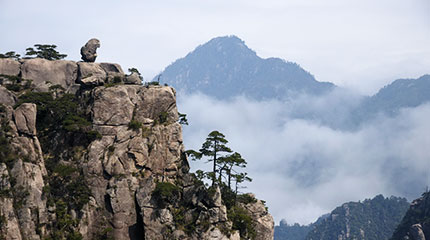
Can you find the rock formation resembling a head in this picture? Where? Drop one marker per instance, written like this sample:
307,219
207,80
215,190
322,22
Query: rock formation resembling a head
89,51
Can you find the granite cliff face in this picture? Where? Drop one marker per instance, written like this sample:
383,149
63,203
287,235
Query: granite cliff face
88,152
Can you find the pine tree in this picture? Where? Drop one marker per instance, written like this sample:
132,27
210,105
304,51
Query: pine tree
227,165
213,148
45,51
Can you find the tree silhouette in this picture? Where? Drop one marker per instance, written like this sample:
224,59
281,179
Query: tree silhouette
45,51
227,165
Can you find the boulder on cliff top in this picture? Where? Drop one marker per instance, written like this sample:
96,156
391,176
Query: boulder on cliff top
91,74
89,50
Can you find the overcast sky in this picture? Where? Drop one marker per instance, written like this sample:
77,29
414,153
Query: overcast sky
361,44
309,168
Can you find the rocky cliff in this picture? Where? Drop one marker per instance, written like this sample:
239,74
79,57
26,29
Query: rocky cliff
87,152
415,224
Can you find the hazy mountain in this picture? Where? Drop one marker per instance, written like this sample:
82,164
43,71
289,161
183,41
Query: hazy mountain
402,93
225,67
372,219
295,231
291,232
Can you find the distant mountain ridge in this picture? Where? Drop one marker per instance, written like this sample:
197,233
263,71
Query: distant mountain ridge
225,67
402,93
372,219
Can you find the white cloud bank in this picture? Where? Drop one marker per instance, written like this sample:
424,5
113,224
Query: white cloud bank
304,169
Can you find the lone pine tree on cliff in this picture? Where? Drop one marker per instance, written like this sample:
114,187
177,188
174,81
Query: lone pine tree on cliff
224,164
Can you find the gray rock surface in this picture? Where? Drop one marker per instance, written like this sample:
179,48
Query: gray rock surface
25,118
89,50
61,72
264,221
417,232
11,227
6,97
91,74
9,67
133,78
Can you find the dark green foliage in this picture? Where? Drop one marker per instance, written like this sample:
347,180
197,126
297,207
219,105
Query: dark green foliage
135,125
108,85
60,114
242,222
20,195
152,84
75,123
45,51
212,148
228,196
64,226
67,190
419,212
186,224
117,79
3,223
56,87
105,234
162,117
93,135
146,132
111,148
7,156
68,184
183,119
134,70
165,193
246,198
10,55
15,83
377,218
228,164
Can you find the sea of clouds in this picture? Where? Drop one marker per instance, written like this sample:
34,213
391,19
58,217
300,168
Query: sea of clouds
301,163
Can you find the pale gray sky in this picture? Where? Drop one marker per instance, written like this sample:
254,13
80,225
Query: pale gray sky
361,44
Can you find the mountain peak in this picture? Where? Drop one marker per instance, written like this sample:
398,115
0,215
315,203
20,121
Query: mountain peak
225,46
225,67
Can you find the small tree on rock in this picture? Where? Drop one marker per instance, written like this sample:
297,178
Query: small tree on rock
45,51
10,55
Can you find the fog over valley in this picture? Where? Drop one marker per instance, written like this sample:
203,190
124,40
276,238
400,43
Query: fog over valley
303,168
